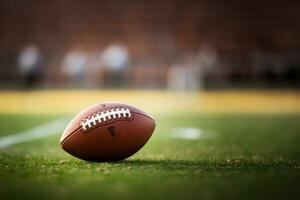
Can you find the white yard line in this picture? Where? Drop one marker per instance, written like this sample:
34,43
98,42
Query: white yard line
192,133
50,128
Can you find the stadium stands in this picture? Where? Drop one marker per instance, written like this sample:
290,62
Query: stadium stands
255,44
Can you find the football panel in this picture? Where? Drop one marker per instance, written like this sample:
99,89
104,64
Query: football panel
113,141
75,123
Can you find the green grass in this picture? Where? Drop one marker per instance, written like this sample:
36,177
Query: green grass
252,157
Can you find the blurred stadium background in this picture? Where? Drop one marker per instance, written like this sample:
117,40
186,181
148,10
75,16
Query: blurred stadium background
222,76
149,44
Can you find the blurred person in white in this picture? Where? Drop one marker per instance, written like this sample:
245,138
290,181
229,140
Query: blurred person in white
208,60
115,58
74,65
184,75
188,74
29,64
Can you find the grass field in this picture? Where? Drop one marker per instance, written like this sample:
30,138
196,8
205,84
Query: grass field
251,156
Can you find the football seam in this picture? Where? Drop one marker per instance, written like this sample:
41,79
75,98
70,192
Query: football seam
115,112
107,123
65,139
88,116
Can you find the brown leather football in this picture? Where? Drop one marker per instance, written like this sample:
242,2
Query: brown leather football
107,132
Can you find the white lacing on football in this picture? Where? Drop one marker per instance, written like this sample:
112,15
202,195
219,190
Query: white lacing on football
98,118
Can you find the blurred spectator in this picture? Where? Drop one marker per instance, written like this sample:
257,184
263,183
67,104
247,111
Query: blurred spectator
29,63
209,64
188,75
185,75
115,58
73,66
208,58
176,77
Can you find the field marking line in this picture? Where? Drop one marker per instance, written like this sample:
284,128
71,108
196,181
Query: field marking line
44,130
192,133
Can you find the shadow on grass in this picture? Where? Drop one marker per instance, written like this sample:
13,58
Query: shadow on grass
159,162
209,164
12,161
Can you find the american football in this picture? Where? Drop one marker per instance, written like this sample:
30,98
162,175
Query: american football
107,132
